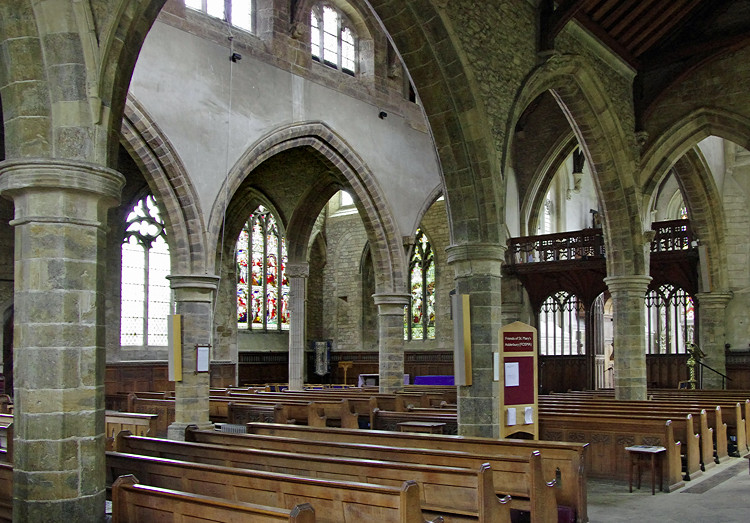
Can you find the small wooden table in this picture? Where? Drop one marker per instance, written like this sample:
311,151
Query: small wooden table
421,426
646,454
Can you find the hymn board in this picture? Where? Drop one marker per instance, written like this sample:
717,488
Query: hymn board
516,372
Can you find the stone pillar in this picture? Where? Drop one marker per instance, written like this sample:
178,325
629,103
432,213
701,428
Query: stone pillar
712,335
478,273
629,338
297,274
194,296
59,357
391,340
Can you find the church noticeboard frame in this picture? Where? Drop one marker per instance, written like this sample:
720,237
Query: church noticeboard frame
518,381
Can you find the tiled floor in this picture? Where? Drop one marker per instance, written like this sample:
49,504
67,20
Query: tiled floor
720,495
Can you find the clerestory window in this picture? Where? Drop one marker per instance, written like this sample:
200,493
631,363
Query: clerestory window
262,284
145,293
332,40
238,13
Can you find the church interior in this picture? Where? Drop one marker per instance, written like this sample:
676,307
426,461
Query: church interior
244,230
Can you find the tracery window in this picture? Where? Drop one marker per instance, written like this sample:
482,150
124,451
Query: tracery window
238,13
670,320
332,40
419,321
262,284
145,293
562,326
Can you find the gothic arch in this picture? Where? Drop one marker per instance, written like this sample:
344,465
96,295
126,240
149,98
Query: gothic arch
541,180
170,183
610,155
348,171
457,119
426,205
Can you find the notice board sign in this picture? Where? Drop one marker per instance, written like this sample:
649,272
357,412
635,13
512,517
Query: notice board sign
516,374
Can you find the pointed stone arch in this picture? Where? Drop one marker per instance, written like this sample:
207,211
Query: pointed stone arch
609,153
675,151
349,171
168,179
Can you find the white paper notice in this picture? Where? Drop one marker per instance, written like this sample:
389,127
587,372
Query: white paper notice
511,415
511,374
528,415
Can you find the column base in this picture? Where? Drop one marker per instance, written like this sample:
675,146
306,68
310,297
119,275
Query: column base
176,431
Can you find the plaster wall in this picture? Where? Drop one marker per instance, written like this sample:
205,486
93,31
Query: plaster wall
184,81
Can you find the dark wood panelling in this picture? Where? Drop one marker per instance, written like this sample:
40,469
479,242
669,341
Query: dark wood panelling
562,373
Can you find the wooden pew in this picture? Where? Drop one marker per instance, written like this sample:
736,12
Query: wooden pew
449,491
134,422
6,438
564,461
6,492
163,408
609,435
389,420
335,501
136,503
509,476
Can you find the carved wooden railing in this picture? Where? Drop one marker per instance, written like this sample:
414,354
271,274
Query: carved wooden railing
672,235
577,245
588,244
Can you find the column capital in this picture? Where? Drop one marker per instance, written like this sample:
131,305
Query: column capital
476,258
635,283
194,287
391,303
714,299
298,270
19,175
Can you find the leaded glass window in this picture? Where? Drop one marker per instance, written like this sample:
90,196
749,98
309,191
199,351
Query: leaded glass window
262,284
332,41
670,320
562,326
145,293
238,13
419,321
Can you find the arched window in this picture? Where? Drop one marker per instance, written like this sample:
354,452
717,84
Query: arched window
562,326
670,320
332,40
262,284
238,13
419,321
145,293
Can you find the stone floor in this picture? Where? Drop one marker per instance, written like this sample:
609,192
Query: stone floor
720,495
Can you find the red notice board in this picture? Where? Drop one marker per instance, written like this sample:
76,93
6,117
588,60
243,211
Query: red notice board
517,377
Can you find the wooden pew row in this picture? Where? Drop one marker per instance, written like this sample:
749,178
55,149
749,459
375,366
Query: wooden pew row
136,503
608,457
511,476
334,501
715,417
449,491
564,461
608,437
388,420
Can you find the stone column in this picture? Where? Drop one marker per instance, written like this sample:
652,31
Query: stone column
297,274
59,357
194,296
712,335
478,273
629,336
391,340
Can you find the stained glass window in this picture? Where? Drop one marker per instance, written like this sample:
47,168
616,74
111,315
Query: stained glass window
562,327
262,284
145,293
332,42
419,317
